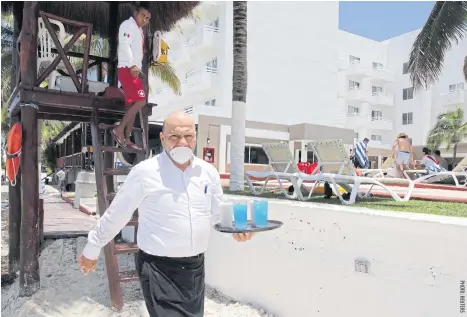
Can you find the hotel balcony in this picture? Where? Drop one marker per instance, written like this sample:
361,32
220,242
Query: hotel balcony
162,96
454,98
382,99
201,83
355,94
180,56
380,123
204,41
357,70
356,120
384,145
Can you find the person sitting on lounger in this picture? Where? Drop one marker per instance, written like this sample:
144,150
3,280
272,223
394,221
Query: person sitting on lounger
441,160
429,163
402,153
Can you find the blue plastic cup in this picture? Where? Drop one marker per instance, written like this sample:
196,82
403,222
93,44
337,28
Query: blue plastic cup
260,213
240,211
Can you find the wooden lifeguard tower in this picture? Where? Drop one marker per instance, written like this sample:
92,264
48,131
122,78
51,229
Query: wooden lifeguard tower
30,102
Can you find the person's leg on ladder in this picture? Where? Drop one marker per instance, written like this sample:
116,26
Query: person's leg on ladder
135,99
133,111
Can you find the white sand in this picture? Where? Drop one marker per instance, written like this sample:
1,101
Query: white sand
66,292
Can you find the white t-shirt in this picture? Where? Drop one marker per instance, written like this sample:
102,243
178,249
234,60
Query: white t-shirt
427,161
130,44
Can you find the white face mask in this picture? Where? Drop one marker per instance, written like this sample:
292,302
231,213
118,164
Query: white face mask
181,154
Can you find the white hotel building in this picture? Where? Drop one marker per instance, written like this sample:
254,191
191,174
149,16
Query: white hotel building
307,80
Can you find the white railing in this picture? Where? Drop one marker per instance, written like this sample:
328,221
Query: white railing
381,119
380,93
210,69
197,38
353,114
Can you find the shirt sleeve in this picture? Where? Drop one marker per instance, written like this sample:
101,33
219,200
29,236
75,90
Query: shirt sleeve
217,198
125,37
119,213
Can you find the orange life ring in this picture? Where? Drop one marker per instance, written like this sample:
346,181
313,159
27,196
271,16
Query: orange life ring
13,155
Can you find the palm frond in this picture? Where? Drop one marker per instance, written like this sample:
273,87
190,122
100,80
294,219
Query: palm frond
167,75
447,23
450,128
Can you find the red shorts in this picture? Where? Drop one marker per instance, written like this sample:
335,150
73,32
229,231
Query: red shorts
133,88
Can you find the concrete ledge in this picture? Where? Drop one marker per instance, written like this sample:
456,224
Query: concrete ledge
83,208
65,234
344,261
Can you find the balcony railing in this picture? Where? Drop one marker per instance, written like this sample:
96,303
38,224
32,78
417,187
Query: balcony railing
356,69
382,98
200,81
203,37
454,97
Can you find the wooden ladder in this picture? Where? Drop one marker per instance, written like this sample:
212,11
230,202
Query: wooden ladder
105,171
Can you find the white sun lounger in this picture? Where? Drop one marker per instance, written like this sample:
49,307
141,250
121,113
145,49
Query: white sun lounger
460,171
337,169
281,167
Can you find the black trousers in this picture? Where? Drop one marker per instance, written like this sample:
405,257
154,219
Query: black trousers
172,287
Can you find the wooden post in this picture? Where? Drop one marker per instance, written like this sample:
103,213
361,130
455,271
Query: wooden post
14,220
29,278
41,221
143,116
113,42
14,192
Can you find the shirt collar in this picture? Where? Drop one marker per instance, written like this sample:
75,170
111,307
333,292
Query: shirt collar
132,19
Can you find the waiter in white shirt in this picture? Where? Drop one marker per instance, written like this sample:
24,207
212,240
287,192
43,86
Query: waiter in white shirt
177,196
130,59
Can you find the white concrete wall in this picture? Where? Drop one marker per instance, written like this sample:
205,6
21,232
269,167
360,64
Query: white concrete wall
426,104
292,58
306,268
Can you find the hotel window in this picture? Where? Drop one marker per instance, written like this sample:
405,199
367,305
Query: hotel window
376,137
376,115
255,155
455,87
377,65
215,23
211,103
354,59
405,68
407,118
211,66
407,93
354,85
376,90
351,110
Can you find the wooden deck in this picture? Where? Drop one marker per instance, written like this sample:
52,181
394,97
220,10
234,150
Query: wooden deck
61,220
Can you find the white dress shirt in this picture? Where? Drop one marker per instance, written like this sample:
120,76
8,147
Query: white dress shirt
176,208
130,44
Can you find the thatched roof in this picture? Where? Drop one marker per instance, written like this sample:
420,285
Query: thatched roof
164,13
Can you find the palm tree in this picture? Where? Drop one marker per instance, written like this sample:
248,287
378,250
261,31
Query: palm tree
239,92
451,129
447,23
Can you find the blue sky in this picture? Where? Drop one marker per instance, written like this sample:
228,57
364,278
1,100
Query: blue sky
381,20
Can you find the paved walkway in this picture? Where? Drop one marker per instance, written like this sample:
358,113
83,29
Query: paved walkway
61,219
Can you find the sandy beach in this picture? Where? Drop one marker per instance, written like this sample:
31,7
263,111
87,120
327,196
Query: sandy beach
66,292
